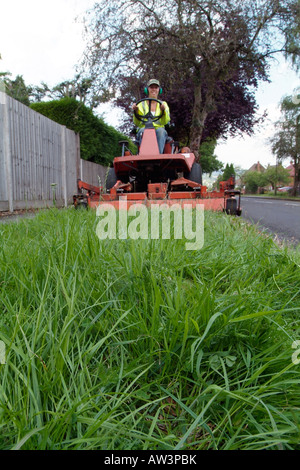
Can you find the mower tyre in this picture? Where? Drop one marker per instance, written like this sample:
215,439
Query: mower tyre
231,206
195,174
81,205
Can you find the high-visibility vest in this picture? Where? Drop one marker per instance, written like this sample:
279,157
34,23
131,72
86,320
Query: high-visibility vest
143,108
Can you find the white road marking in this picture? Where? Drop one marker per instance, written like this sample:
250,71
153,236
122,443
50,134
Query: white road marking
264,202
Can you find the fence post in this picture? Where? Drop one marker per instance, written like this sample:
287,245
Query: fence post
7,152
78,159
64,166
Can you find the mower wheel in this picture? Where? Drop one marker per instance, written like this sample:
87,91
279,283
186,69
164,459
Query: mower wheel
231,206
195,174
81,205
111,178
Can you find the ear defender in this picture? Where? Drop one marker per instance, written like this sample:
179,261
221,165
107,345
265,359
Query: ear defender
147,93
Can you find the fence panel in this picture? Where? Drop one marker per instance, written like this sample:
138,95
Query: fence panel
92,173
3,186
37,155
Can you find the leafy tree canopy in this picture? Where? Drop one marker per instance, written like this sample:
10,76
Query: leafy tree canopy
209,160
205,43
79,88
16,88
253,180
276,174
234,112
286,141
228,172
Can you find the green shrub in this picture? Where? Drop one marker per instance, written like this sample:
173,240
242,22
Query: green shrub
99,142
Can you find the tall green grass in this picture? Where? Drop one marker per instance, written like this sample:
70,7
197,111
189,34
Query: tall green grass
140,344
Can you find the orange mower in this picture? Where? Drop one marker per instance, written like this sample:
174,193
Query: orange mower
153,178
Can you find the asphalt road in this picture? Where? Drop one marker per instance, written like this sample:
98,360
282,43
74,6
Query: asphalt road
279,217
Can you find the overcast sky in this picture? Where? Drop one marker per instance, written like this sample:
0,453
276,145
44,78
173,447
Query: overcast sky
42,41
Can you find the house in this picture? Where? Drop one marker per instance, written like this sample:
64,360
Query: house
291,170
257,167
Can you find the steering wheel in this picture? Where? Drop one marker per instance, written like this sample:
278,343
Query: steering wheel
145,117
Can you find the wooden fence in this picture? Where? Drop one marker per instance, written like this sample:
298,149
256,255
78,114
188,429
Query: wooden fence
39,159
92,173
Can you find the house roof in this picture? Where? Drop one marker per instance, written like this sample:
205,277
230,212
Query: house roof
257,167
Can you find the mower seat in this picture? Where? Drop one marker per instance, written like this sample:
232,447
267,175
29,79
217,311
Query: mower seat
171,146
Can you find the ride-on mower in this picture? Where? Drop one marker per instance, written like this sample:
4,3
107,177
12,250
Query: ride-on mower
153,178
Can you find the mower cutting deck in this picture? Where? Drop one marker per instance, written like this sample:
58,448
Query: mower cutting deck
153,178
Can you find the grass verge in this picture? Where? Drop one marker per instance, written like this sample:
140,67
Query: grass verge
140,344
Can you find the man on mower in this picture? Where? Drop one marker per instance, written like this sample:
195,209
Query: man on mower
159,110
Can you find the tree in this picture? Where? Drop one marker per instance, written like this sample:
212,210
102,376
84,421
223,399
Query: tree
79,88
276,175
286,141
39,92
209,161
17,88
234,112
207,40
291,31
253,180
3,75
228,172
